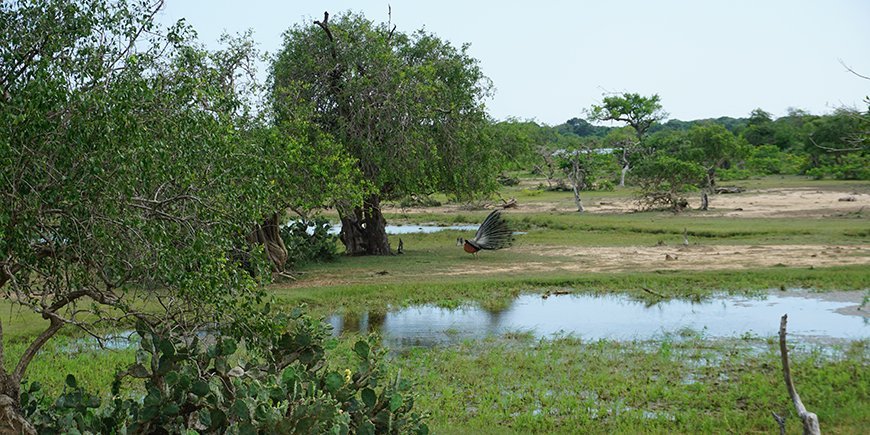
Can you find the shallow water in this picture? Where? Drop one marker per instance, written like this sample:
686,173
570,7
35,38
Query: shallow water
416,229
616,317
413,229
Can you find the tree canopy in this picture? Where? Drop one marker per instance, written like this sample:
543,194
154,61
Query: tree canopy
637,111
408,107
132,168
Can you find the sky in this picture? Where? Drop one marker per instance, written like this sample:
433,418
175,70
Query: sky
551,60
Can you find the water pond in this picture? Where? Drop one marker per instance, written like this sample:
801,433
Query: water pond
618,317
413,229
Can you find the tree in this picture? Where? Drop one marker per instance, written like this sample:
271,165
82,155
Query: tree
515,140
132,169
582,127
407,107
711,146
581,163
663,179
639,112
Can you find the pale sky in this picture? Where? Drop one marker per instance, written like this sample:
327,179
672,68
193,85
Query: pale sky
549,60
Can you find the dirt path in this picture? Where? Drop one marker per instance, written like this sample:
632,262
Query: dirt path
635,258
784,202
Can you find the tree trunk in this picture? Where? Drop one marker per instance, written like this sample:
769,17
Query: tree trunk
11,419
622,175
577,182
577,201
268,235
363,231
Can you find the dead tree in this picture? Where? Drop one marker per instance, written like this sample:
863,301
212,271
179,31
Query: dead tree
810,420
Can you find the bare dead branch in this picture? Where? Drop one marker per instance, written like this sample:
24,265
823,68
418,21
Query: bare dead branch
810,420
780,421
851,70
652,292
859,148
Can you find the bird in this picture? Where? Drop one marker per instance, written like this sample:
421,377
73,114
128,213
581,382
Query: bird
492,234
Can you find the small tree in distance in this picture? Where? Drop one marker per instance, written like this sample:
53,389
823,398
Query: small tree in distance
638,112
664,179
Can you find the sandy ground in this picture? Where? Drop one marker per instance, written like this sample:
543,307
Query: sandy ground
634,258
785,202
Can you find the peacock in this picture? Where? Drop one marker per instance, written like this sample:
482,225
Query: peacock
492,234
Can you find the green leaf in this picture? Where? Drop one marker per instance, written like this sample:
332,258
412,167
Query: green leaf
200,388
204,416
247,428
166,347
369,397
170,409
228,346
240,410
361,348
289,375
395,402
366,428
71,381
220,364
333,381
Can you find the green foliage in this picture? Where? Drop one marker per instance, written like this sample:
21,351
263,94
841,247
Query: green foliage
407,107
210,385
770,160
854,166
582,128
133,166
637,111
303,247
663,179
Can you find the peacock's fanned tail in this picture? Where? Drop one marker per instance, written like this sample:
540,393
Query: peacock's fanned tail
493,233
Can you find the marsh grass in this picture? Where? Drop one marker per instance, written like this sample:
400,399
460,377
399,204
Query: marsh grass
499,291
687,385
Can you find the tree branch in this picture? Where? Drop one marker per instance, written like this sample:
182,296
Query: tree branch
24,361
809,419
852,71
325,26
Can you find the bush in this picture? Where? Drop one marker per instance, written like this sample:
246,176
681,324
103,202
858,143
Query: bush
418,201
309,241
770,160
663,180
733,173
284,387
855,166
507,180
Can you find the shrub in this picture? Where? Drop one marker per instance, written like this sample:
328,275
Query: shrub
285,386
663,180
309,241
854,166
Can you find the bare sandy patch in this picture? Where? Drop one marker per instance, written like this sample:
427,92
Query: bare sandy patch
639,258
784,202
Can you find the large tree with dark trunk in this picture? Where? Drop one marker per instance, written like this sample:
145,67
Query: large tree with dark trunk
407,107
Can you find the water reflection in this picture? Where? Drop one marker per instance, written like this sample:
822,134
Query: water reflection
614,317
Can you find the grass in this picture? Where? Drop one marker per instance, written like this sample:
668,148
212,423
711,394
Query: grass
518,384
498,290
566,385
